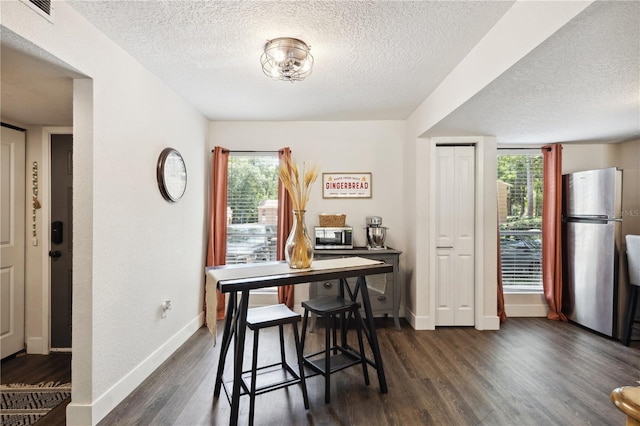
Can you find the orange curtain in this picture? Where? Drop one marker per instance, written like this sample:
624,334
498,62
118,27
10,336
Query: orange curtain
285,222
217,246
502,314
552,230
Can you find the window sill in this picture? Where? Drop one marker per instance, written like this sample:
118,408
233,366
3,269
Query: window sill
521,289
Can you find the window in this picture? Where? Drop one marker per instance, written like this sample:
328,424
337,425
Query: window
252,207
520,216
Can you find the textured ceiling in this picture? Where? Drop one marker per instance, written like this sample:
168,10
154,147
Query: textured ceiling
582,84
24,96
373,60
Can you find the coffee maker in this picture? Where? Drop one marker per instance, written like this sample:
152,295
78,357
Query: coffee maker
376,233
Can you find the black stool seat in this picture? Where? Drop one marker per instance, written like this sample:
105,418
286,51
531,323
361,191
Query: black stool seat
330,305
280,374
344,356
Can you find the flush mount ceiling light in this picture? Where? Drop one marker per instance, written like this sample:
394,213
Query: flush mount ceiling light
286,59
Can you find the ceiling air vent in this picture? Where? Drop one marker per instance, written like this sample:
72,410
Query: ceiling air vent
43,5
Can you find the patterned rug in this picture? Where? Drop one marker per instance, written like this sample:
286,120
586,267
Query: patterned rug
23,404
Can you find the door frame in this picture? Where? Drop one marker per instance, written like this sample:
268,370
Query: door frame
45,202
486,316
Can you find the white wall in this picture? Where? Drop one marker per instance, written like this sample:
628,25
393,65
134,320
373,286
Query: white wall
420,272
521,29
629,154
132,249
625,156
365,146
629,162
577,157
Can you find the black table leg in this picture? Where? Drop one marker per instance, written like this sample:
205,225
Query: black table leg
239,355
342,322
226,341
373,337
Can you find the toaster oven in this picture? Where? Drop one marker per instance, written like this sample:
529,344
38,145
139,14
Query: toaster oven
333,238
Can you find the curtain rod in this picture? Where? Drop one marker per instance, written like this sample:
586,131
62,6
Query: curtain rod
518,149
244,151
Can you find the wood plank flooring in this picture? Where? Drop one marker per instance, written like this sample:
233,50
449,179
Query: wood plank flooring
34,369
531,372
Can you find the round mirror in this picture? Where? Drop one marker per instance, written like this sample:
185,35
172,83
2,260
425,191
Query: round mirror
172,175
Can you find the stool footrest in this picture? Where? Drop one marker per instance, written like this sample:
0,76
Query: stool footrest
335,356
268,378
338,362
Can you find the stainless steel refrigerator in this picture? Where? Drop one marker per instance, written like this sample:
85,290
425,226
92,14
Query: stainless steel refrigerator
591,240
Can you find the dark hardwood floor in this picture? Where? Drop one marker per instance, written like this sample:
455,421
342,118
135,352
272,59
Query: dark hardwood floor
531,372
35,369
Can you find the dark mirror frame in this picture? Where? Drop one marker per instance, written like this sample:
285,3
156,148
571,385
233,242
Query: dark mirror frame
168,180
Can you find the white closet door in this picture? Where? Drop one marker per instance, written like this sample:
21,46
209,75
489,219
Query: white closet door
455,234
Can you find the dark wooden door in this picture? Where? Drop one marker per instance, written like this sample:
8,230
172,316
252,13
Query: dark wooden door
61,239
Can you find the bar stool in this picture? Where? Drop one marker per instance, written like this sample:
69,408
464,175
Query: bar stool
627,399
323,362
286,375
633,267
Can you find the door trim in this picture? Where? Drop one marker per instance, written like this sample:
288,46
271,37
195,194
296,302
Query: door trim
45,193
484,281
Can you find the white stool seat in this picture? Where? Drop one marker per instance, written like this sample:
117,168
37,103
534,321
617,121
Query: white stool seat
633,258
633,272
269,316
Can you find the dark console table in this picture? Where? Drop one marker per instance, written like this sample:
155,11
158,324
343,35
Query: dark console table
384,290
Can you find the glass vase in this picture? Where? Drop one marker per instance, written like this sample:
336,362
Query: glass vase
298,249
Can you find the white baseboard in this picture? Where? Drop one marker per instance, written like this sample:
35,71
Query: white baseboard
491,322
37,346
83,414
419,323
525,305
80,415
533,310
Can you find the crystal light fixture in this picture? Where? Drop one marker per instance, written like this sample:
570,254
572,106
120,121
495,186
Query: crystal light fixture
286,59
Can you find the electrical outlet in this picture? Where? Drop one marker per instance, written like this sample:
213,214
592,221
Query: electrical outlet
166,306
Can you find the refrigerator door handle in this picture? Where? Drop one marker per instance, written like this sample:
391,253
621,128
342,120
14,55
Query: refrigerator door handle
598,219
